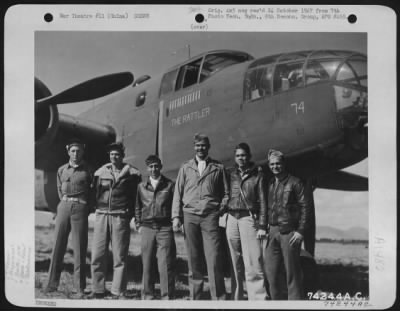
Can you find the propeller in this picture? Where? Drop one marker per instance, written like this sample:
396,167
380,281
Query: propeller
88,90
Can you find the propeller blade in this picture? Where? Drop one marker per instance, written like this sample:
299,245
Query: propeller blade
88,90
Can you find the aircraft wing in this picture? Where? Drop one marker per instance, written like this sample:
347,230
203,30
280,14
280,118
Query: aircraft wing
342,180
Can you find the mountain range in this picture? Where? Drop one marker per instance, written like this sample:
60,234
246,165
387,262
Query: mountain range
323,232
353,233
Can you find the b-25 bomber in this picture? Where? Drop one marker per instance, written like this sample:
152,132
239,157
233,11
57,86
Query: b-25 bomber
311,105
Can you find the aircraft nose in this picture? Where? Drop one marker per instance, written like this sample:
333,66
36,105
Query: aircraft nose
352,115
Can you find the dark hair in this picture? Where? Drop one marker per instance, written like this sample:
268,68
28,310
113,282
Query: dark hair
198,137
152,159
244,147
75,142
118,146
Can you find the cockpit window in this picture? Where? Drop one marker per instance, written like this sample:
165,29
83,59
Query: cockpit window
319,70
288,75
258,83
346,74
218,61
359,65
188,74
279,73
168,82
354,71
200,69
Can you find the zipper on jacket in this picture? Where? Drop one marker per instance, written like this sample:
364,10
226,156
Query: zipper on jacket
109,199
154,202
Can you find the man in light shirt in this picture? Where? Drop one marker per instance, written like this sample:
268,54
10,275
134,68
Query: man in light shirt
74,186
201,194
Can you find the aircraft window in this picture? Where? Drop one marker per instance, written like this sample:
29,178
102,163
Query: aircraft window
140,100
258,83
330,66
288,76
188,74
218,61
360,67
320,70
168,82
346,74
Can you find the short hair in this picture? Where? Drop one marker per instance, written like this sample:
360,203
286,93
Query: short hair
198,137
75,142
118,146
275,154
152,159
243,146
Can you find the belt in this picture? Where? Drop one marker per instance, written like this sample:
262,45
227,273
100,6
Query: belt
73,199
157,224
239,213
112,213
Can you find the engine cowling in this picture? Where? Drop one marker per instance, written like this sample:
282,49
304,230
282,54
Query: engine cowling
46,197
46,120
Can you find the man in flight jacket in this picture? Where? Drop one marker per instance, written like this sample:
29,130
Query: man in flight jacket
201,193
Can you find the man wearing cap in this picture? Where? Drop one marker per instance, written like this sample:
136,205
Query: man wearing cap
74,180
153,222
116,185
288,217
200,197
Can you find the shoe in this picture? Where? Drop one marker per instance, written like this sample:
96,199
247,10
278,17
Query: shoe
94,295
49,290
119,297
78,294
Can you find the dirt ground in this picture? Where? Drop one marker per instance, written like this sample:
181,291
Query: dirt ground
324,276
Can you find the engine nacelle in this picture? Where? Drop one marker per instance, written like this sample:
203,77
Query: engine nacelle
46,196
46,121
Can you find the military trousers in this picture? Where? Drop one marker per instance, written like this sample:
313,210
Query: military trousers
71,217
202,238
247,258
115,229
282,261
158,245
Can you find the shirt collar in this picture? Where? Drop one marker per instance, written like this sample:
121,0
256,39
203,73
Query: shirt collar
197,160
247,170
70,164
155,179
159,179
244,172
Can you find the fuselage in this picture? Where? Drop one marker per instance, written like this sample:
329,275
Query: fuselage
310,105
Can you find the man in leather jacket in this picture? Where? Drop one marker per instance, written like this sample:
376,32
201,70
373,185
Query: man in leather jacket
116,186
246,225
153,222
288,217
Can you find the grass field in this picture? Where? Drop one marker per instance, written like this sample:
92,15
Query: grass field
342,268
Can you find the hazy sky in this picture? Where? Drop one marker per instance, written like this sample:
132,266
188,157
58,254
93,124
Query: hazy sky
63,59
